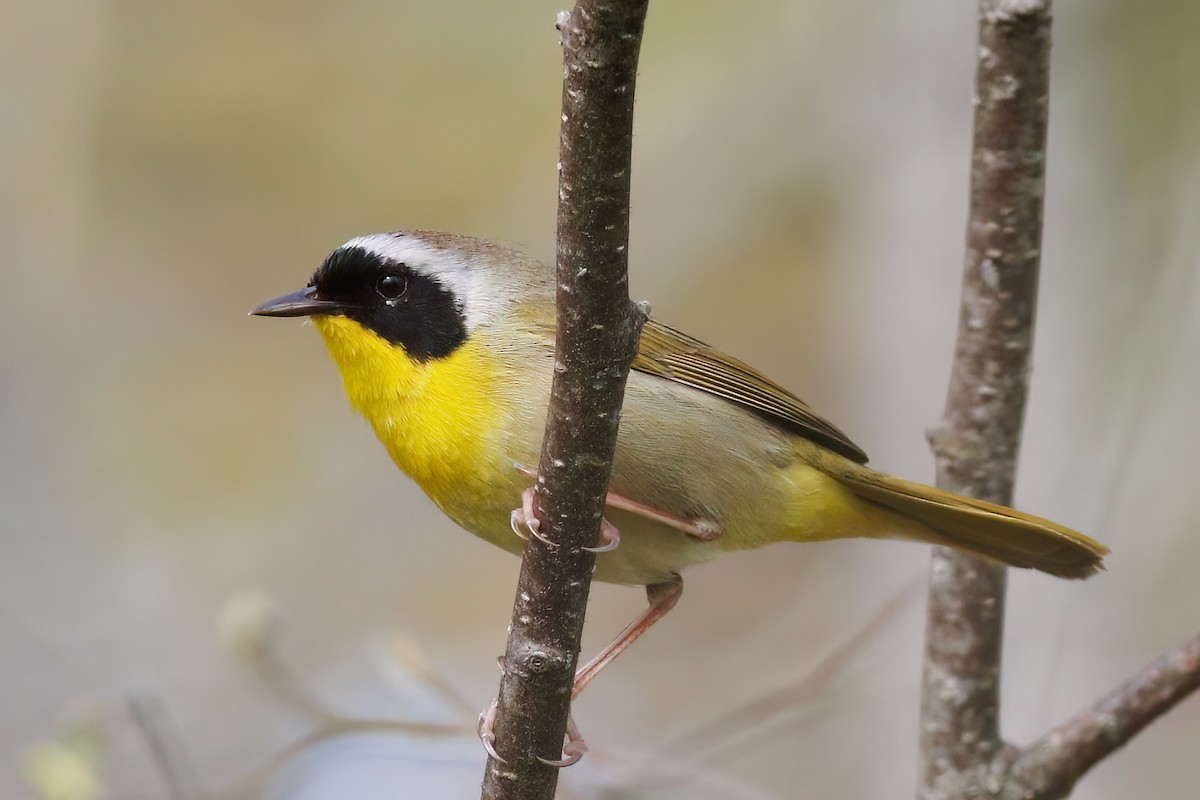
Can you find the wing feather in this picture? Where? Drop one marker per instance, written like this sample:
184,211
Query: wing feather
674,355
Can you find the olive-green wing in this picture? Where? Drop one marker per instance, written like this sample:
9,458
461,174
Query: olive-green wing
667,353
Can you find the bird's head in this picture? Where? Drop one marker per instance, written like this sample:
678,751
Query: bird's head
423,292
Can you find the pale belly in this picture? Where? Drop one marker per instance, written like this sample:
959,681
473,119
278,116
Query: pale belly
649,552
738,478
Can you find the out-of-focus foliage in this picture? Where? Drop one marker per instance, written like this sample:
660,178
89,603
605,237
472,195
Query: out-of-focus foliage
799,197
67,768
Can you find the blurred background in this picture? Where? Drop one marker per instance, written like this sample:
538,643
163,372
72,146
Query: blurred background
187,506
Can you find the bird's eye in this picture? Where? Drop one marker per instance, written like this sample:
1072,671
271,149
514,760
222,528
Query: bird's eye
391,286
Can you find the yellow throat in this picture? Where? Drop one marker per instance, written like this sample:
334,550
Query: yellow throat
437,419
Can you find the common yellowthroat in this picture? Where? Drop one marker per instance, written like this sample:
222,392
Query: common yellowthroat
445,344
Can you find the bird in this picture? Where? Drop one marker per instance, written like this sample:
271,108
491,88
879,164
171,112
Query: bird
445,345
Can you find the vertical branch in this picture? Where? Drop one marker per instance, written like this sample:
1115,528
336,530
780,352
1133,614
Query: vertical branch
597,333
977,440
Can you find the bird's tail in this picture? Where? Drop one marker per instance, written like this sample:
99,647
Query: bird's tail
985,529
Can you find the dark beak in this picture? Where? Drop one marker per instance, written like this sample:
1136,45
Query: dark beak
303,303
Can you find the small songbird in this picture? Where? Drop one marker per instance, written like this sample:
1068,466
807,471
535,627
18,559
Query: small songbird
445,344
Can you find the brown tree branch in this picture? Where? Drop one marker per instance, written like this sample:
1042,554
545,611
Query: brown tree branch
977,440
597,334
1049,767
962,753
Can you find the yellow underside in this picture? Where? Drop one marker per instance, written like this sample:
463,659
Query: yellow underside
437,419
446,424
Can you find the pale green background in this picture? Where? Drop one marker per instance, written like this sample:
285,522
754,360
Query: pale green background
799,199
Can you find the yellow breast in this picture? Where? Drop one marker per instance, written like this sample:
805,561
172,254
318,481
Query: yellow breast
438,419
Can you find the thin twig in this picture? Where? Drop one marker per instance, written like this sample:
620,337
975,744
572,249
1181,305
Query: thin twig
277,678
401,663
166,747
976,442
597,332
252,783
1049,767
250,631
720,738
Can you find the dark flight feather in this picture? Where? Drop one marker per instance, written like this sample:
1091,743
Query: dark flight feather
673,355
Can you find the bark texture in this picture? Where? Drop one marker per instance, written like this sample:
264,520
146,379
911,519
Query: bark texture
962,752
976,442
1049,767
597,337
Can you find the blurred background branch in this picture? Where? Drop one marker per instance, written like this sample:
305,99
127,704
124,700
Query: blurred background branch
1049,767
977,440
976,445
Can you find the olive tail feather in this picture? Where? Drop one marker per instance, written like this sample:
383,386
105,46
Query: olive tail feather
985,529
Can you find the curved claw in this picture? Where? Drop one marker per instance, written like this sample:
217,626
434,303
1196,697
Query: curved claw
567,760
490,748
609,535
535,528
523,518
514,519
573,750
487,721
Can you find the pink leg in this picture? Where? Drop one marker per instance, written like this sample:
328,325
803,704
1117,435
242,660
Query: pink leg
662,597
706,530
